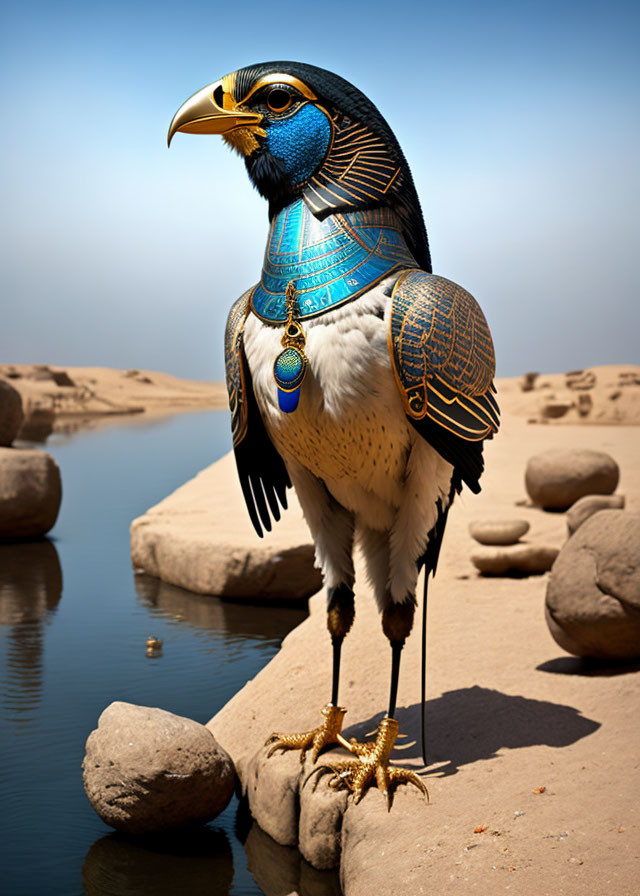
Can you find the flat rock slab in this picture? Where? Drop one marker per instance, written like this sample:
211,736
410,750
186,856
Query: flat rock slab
498,531
147,770
515,560
593,595
201,538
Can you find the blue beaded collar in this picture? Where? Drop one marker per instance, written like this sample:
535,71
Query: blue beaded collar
330,261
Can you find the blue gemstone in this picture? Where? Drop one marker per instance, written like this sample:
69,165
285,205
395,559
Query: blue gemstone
289,368
288,401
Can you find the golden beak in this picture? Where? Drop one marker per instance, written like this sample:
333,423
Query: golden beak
201,114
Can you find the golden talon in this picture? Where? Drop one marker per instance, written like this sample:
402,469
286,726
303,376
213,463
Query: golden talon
411,743
316,739
371,763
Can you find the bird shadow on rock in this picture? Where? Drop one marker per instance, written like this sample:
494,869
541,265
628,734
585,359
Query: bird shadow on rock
196,861
588,666
476,723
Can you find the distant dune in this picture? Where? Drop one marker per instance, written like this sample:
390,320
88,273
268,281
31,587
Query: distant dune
607,395
76,393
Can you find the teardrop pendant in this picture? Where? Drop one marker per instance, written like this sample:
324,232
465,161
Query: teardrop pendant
290,366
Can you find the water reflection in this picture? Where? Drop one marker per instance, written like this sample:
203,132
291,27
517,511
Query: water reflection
209,613
37,426
30,590
200,862
280,870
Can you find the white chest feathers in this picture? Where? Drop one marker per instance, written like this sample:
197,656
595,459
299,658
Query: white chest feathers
349,427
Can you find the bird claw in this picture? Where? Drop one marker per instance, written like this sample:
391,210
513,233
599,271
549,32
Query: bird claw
371,763
315,740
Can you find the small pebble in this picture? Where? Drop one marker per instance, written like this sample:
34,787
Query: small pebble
518,813
576,861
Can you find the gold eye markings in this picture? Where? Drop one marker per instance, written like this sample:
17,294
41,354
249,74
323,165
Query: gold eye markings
279,99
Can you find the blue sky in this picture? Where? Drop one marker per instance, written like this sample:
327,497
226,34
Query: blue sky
520,122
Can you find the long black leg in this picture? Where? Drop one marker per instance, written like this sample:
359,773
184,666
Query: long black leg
396,653
397,619
340,615
337,647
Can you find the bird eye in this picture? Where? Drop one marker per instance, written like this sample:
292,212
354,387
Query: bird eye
279,99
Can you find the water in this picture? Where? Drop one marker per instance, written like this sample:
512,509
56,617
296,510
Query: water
73,625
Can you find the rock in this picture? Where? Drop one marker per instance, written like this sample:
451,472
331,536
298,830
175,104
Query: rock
11,415
146,770
554,409
201,538
273,793
517,559
593,595
321,812
498,531
590,504
527,383
555,479
30,493
580,379
585,404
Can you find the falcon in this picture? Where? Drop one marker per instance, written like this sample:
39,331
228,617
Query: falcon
354,373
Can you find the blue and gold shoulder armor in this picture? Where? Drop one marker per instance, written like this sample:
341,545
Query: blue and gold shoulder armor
234,366
442,354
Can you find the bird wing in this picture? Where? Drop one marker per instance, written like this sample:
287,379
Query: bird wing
443,359
263,475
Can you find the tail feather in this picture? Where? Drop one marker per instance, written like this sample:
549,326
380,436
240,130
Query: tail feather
430,562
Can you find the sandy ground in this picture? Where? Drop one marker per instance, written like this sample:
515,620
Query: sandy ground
508,713
61,396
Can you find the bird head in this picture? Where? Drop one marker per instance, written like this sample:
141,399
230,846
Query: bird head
306,132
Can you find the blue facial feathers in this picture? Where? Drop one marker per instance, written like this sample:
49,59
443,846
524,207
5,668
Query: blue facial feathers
300,141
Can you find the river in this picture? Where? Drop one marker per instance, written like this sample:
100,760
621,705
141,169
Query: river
74,620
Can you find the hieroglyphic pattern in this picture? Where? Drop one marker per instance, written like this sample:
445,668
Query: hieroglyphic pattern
359,168
443,355
330,261
234,361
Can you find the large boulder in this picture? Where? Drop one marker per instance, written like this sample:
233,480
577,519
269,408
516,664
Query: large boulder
146,770
201,538
555,479
590,504
11,415
30,493
593,595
